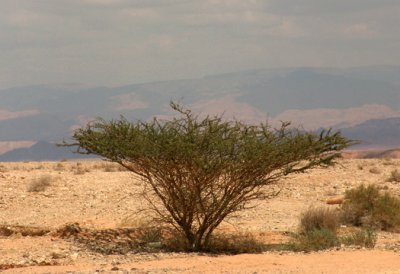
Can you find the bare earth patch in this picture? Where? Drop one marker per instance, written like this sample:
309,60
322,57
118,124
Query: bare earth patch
95,202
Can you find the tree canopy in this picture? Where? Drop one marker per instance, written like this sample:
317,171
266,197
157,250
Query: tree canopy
202,170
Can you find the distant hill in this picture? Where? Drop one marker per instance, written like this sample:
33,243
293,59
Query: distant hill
373,154
41,151
311,97
376,133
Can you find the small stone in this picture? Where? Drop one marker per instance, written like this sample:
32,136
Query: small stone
57,255
115,268
74,256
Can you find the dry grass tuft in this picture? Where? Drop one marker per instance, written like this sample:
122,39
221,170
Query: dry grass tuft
3,168
364,238
59,167
374,170
317,219
40,184
394,176
78,169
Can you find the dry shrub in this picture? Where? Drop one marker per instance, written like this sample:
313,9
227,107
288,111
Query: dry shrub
40,184
387,213
387,162
150,230
317,219
3,168
109,168
9,230
394,176
366,206
79,169
235,244
314,240
374,170
317,230
357,203
220,243
59,167
39,166
364,238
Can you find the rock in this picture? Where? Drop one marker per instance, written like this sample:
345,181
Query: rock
57,254
74,256
335,200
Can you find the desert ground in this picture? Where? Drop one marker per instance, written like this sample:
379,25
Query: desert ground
100,201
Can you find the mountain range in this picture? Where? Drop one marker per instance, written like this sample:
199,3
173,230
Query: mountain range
364,103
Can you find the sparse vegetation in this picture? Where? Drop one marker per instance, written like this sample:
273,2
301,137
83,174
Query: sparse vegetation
364,238
387,162
235,244
394,176
59,167
40,184
109,167
318,230
366,206
319,218
374,170
198,171
314,240
79,169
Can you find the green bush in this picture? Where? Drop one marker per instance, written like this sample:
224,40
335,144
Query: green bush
318,230
314,240
366,206
364,238
386,213
358,203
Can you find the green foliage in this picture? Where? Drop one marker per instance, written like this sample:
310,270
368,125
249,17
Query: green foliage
359,202
201,170
318,231
364,238
366,206
387,212
316,239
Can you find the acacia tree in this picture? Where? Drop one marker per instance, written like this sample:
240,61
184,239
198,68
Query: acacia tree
202,170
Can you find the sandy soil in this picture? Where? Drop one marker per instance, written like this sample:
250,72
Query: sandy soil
99,196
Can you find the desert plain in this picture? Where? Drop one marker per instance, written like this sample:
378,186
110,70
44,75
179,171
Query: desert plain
100,202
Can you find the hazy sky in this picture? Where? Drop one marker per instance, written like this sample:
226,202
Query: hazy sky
115,42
